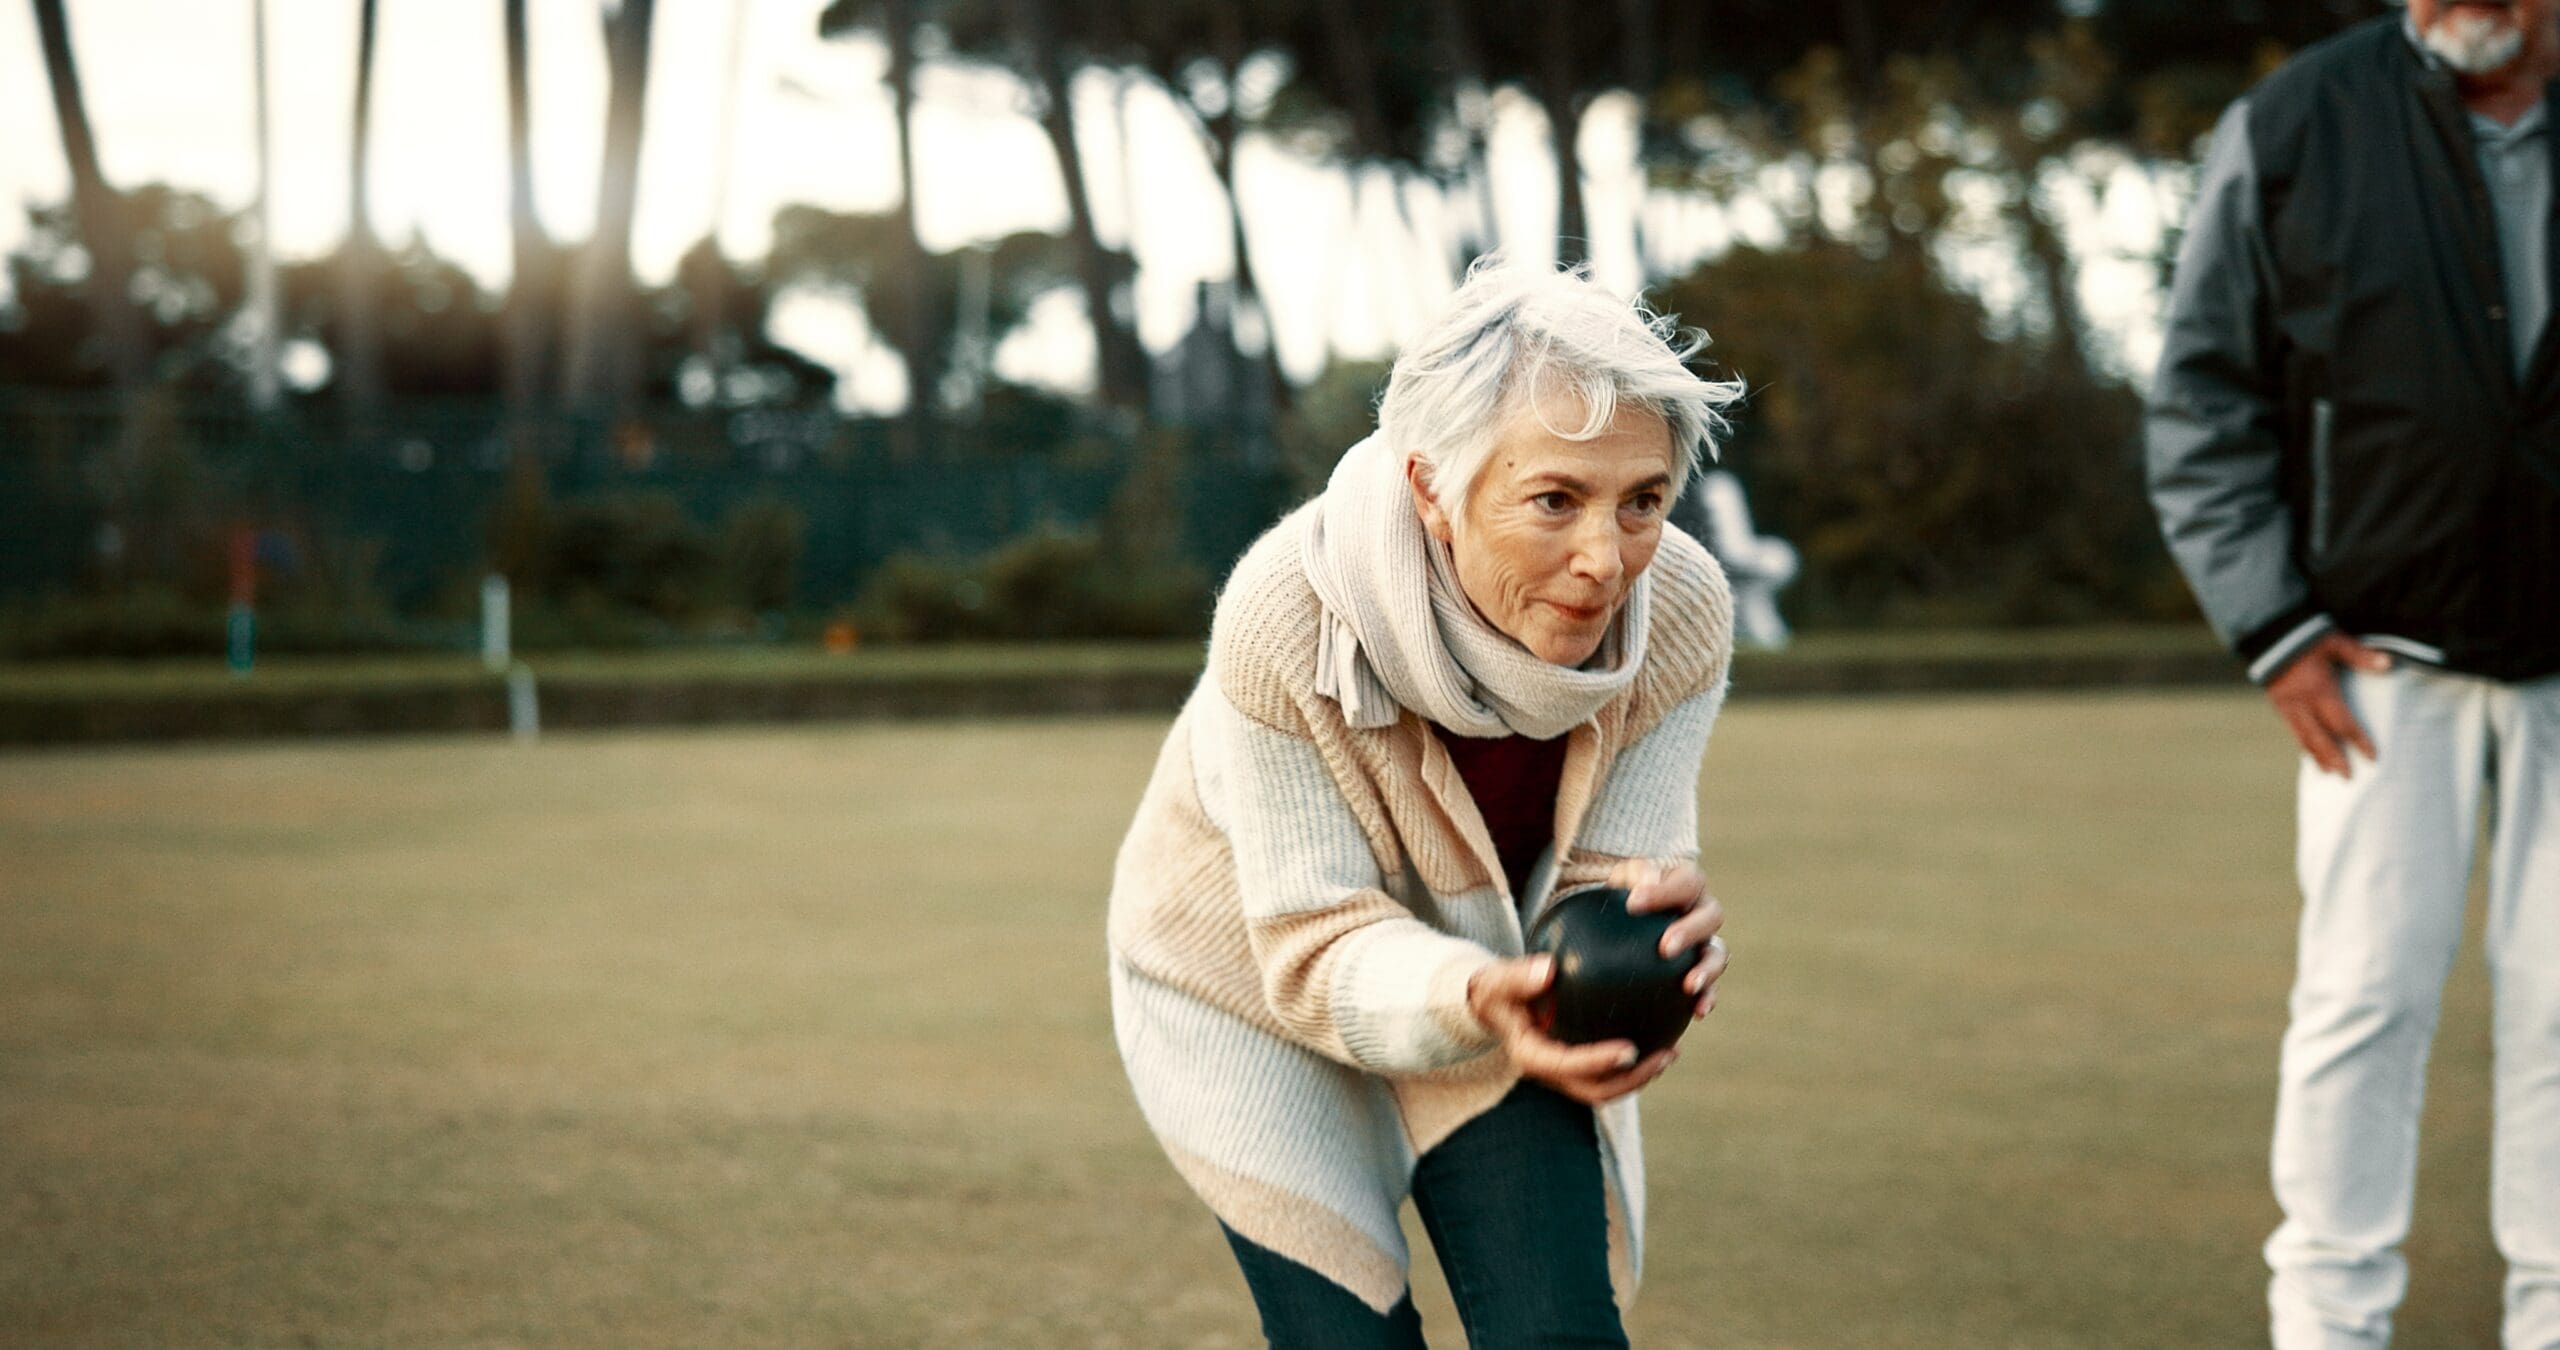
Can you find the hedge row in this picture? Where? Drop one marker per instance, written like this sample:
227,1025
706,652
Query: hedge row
57,711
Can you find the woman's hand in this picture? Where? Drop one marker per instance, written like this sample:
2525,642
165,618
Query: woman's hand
1602,1071
1680,886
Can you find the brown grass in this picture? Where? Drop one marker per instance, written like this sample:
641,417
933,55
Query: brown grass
800,1037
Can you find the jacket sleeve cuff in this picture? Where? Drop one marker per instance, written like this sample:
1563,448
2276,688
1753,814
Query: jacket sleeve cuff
1401,1000
2272,646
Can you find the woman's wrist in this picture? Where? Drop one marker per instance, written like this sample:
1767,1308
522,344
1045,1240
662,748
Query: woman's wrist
1456,995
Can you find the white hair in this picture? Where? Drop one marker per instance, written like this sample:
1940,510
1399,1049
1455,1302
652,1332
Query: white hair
2474,44
1512,334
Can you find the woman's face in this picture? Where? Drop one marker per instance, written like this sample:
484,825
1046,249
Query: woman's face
1557,531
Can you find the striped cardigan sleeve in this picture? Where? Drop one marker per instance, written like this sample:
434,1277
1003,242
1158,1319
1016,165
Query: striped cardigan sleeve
1346,969
1647,806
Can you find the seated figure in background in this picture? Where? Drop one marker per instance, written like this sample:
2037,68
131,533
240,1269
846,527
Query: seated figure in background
1758,565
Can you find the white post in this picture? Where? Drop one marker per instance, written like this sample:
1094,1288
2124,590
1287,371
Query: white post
496,628
524,714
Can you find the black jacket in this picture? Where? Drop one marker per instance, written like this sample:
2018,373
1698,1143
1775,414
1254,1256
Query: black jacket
2337,435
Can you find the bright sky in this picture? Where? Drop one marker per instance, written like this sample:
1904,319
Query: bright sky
169,94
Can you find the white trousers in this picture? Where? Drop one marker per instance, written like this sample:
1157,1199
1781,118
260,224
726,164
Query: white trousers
2385,862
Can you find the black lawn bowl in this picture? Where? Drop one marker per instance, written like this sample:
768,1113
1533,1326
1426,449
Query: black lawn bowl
1612,982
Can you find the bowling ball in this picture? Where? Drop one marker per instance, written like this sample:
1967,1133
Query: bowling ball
1612,981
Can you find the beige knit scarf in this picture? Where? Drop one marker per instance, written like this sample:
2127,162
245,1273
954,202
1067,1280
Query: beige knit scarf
1398,631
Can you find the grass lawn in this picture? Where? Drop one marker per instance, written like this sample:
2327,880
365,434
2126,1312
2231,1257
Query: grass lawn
799,1036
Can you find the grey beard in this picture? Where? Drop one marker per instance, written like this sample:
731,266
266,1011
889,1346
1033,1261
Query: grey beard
2474,46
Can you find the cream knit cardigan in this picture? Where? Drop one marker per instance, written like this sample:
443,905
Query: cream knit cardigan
1299,904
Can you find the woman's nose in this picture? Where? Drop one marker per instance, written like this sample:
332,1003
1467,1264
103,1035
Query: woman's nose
1598,550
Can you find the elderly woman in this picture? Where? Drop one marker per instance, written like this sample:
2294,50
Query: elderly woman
1476,673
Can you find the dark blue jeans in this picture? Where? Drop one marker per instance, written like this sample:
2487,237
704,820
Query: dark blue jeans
1517,1209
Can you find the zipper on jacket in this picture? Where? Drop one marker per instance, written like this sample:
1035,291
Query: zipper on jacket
2323,414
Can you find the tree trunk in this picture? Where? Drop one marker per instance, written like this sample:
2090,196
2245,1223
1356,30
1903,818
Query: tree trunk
1556,93
709,289
1684,31
1120,363
1248,289
1125,90
2056,274
1359,79
1225,131
532,285
1373,144
920,338
1636,44
115,323
601,371
359,319
1861,85
1866,63
1466,78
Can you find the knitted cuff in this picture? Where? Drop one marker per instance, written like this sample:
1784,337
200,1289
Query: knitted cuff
1400,999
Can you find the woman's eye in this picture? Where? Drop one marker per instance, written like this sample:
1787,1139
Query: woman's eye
1553,501
1646,503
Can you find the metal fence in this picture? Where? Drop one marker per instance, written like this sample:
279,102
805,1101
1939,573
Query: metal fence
89,487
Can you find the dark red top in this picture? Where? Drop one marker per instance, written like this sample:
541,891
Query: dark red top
1513,781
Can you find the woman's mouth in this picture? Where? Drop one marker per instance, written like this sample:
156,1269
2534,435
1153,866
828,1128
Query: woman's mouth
1579,614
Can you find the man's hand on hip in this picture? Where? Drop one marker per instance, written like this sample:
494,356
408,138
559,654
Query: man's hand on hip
2306,696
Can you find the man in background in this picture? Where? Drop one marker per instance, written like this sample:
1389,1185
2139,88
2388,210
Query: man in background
2354,447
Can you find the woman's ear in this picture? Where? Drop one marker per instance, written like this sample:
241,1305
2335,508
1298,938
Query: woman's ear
1418,477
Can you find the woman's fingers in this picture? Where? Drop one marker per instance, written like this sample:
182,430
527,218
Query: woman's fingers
1632,873
1658,885
1702,978
1551,1061
1524,978
1615,1085
1693,928
1500,992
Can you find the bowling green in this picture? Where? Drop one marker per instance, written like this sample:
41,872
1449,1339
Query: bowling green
800,1036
